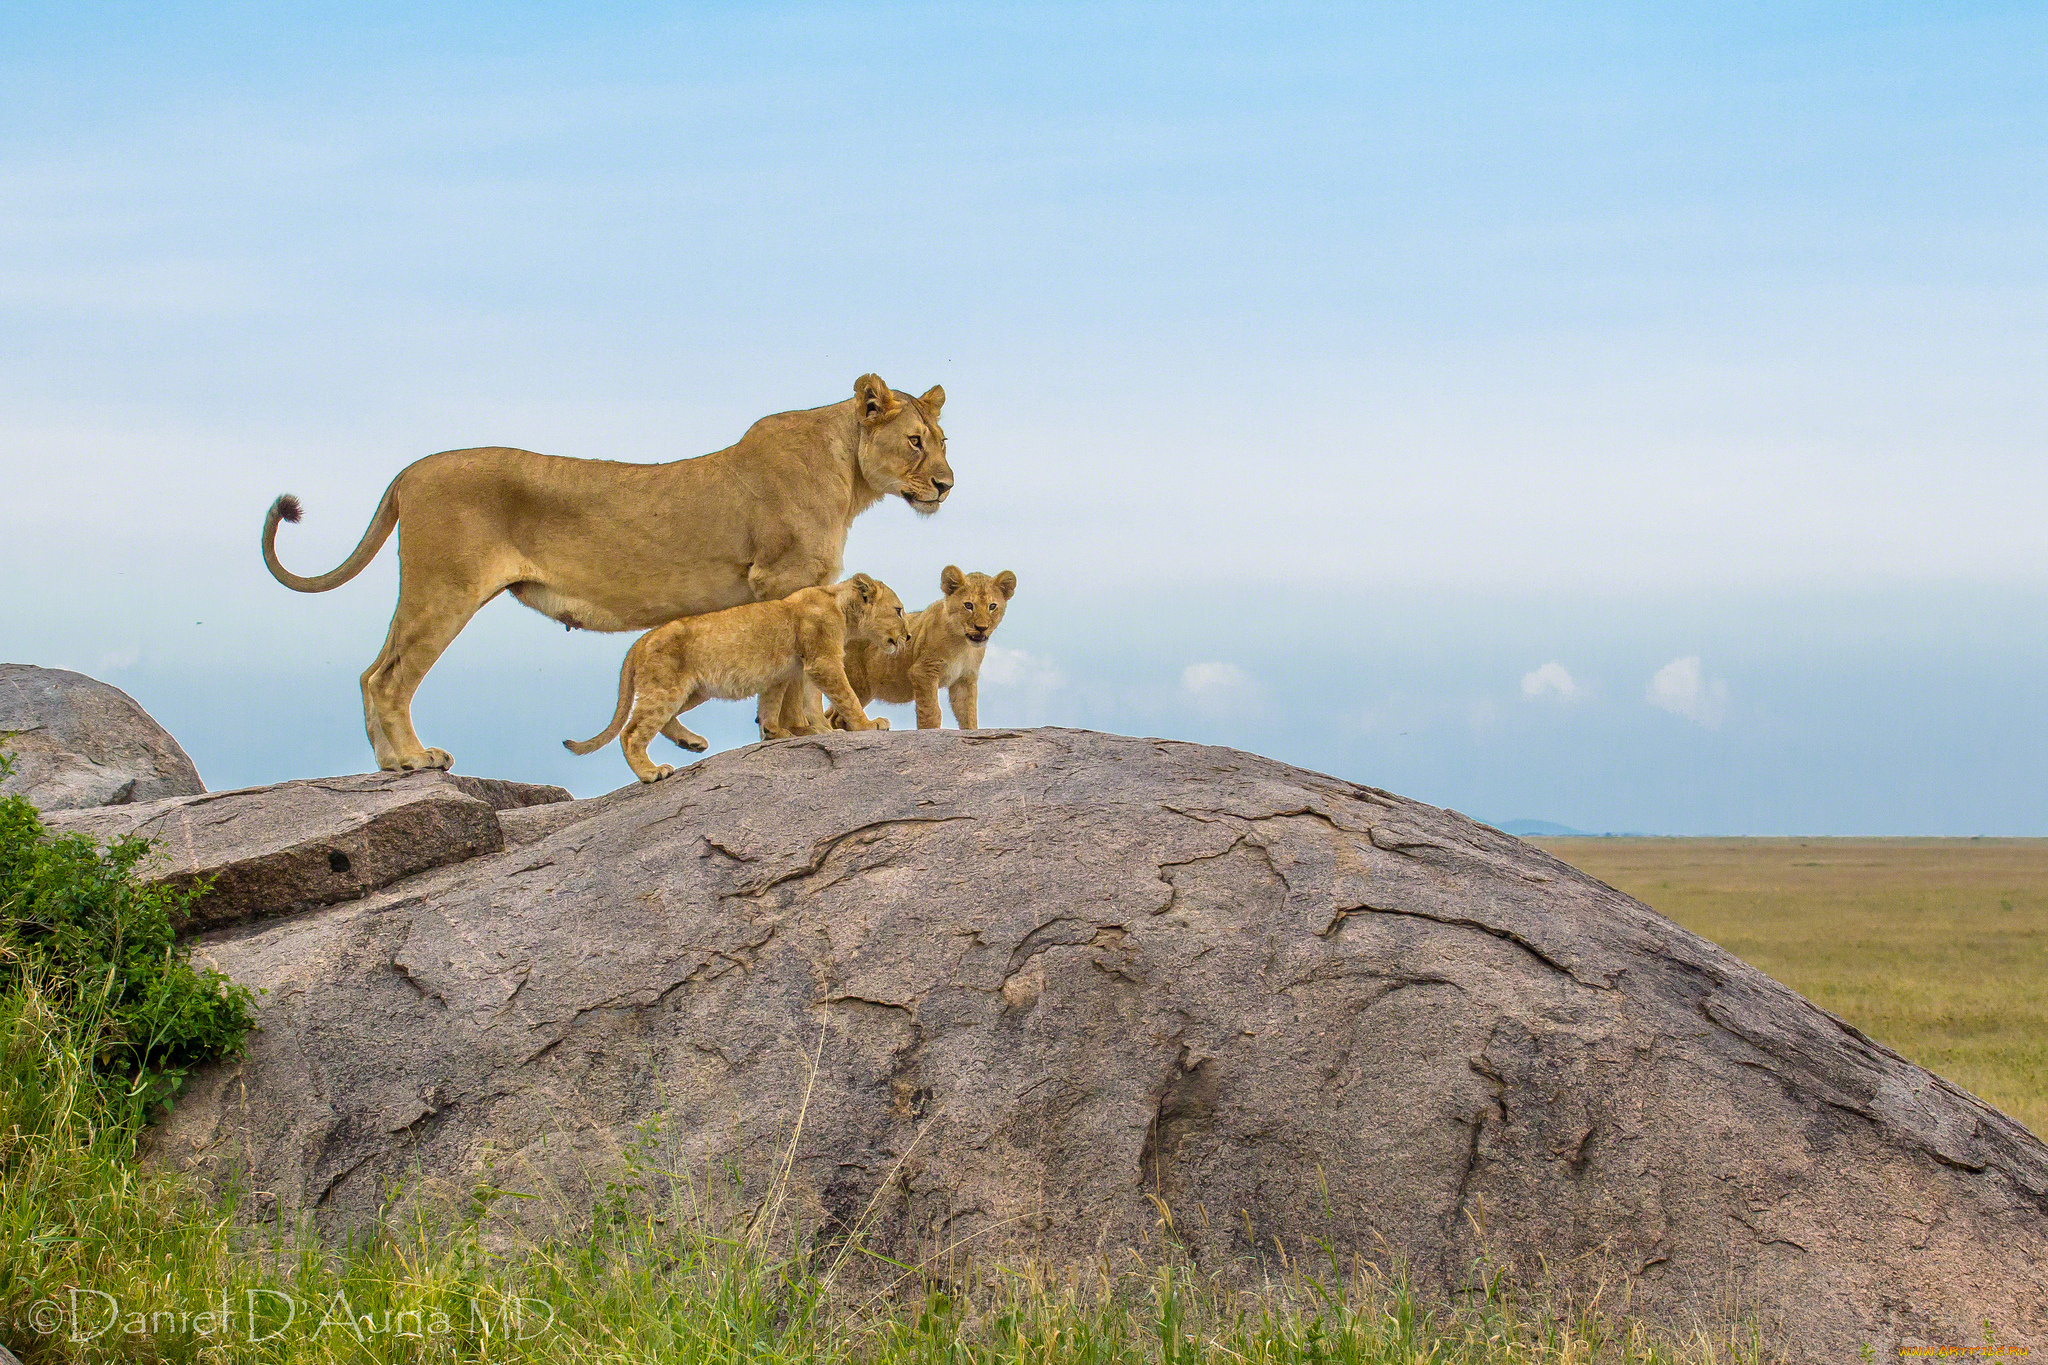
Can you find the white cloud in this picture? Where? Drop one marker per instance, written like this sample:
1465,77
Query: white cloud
1551,680
1024,689
1220,690
1683,688
120,658
1015,668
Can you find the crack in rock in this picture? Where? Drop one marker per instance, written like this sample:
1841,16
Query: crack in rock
827,847
1602,983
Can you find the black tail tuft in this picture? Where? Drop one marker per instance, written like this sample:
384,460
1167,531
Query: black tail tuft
287,508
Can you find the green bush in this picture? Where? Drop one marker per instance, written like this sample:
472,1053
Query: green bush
80,929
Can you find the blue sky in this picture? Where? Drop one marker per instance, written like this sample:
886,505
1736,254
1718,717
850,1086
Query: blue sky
1628,416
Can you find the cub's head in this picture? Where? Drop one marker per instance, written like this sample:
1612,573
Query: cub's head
902,449
875,612
975,602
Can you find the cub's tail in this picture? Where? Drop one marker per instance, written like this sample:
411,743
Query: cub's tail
626,672
287,508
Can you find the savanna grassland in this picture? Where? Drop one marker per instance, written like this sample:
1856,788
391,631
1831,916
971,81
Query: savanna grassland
1937,948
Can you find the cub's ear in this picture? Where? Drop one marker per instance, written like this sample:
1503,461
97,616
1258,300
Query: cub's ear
1006,584
951,580
934,399
866,585
873,400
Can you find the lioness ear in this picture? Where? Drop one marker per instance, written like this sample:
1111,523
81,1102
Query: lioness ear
1006,584
866,586
951,580
934,399
873,400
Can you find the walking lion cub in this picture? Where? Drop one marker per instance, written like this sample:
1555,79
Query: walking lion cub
763,649
947,642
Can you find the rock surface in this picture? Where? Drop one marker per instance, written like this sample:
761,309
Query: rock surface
1020,985
77,741
296,845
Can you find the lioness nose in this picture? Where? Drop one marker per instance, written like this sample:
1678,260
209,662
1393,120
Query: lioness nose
941,485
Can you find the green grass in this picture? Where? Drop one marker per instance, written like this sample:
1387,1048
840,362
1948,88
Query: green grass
1937,948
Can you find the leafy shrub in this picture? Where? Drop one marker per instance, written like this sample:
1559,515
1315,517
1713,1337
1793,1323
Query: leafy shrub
79,928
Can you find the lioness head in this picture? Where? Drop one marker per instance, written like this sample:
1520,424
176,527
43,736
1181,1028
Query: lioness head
877,613
975,602
902,449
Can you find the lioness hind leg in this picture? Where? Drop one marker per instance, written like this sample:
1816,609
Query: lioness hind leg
428,618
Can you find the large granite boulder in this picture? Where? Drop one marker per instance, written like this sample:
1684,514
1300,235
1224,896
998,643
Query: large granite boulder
76,741
273,850
1051,994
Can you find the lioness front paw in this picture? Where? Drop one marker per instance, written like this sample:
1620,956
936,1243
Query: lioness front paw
425,760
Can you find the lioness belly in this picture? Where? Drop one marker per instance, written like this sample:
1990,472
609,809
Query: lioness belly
573,612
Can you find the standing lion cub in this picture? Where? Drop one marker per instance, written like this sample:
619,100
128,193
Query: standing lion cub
762,649
947,641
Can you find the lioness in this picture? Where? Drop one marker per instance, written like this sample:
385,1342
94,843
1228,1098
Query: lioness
763,649
947,641
599,545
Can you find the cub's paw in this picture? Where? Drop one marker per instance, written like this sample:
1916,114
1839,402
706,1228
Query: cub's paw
688,739
663,771
881,722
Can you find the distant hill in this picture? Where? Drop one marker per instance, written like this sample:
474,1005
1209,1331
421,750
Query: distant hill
1538,829
1550,829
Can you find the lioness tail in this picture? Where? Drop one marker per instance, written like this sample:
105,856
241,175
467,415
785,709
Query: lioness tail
286,508
626,671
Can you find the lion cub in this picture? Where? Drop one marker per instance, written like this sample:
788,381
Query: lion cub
762,649
947,641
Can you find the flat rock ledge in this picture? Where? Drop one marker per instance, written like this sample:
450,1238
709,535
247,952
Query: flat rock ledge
1012,994
296,845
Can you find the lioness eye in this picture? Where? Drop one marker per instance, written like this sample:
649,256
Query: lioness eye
917,443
